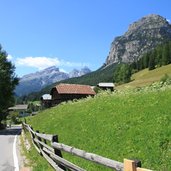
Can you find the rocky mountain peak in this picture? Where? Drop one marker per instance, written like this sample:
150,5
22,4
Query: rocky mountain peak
52,68
151,21
78,73
142,36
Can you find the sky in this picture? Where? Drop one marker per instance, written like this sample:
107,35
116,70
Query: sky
68,34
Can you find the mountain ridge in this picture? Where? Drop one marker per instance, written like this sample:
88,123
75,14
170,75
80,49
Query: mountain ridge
36,81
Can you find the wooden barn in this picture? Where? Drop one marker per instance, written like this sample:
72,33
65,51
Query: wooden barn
106,86
46,100
65,92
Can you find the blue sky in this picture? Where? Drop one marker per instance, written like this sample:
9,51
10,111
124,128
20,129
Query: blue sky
68,33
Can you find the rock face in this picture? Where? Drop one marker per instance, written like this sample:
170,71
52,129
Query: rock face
142,36
78,73
36,81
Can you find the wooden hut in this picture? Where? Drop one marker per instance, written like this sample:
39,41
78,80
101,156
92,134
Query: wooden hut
65,92
46,100
106,86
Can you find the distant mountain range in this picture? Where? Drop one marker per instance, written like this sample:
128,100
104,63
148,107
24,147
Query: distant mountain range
142,36
36,81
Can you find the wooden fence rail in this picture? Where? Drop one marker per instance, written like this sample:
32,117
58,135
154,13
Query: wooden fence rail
49,147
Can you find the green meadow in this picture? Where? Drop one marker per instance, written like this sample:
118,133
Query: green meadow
146,77
134,124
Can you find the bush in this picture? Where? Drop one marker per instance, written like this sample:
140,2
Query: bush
166,79
3,124
14,116
97,89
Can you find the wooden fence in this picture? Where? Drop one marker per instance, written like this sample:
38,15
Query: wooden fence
49,147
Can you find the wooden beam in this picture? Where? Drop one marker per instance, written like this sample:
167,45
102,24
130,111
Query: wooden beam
51,162
45,136
63,162
129,165
89,156
44,145
142,169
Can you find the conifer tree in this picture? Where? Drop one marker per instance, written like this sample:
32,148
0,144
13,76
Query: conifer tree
146,60
165,55
151,64
8,81
122,73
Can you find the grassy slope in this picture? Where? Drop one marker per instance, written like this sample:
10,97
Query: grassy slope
146,77
117,126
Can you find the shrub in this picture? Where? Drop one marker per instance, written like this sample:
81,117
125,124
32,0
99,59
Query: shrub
164,78
14,116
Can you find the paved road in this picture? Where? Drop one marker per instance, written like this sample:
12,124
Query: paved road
7,138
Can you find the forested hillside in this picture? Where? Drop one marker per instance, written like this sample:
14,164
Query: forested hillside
147,77
158,57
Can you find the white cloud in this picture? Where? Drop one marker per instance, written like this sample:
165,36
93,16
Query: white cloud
37,62
45,62
9,57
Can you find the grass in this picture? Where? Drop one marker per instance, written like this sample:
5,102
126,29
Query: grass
132,125
34,160
146,77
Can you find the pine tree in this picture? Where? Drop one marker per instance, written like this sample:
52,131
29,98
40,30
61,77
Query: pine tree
169,52
146,60
122,73
158,59
151,64
165,55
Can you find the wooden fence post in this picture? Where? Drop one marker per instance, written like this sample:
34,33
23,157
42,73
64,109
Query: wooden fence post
44,139
32,135
23,127
129,165
39,145
138,163
56,151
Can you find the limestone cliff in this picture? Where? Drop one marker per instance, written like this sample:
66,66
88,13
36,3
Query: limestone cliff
142,36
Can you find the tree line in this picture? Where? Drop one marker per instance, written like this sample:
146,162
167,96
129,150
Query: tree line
155,58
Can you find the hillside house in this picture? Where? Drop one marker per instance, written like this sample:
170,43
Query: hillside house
46,100
65,92
21,109
106,86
